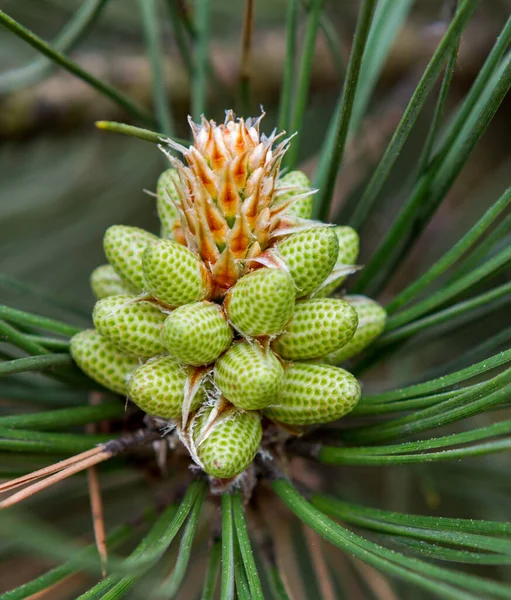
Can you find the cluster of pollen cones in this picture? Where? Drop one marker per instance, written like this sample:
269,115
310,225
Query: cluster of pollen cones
224,323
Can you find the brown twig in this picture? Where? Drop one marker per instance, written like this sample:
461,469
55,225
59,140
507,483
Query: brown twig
278,525
315,544
340,562
79,463
63,474
98,520
24,479
65,588
267,551
96,502
375,580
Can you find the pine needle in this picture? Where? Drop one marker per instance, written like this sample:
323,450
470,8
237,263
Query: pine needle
246,56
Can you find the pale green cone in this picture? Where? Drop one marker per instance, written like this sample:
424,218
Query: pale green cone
102,361
310,256
302,208
318,327
232,443
165,193
261,303
105,282
174,275
371,323
349,245
249,376
133,326
159,388
196,333
314,394
124,247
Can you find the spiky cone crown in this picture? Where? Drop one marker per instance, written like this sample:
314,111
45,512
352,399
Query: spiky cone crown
225,196
212,327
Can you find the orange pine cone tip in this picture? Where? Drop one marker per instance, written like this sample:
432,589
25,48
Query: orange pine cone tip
228,207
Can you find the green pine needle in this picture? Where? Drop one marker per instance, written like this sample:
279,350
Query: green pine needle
71,34
304,74
346,103
25,34
200,59
227,579
449,41
150,23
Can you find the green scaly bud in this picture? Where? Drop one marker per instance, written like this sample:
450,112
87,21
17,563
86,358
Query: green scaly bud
134,326
261,303
314,394
124,247
166,195
249,376
102,361
105,282
310,256
318,327
174,275
371,323
160,386
231,444
348,253
196,333
349,245
302,208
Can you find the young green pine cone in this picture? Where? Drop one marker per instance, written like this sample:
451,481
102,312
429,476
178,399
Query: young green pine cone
348,254
310,256
159,387
318,327
261,303
237,250
371,323
231,444
302,207
314,394
133,326
166,199
105,282
174,275
102,361
249,376
349,245
124,247
196,333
